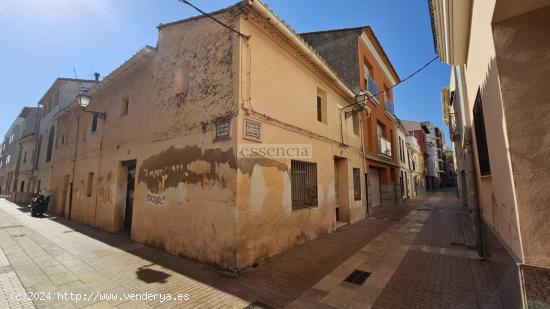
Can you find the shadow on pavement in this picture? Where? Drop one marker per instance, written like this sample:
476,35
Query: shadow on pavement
277,281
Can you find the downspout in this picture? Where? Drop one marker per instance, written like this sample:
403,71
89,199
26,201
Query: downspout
74,162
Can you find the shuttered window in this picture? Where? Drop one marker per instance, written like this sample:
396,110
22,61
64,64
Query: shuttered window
304,184
481,139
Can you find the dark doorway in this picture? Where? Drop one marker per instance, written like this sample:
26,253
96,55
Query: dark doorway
131,165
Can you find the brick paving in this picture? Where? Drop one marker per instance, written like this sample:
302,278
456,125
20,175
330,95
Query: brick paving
439,271
57,255
408,253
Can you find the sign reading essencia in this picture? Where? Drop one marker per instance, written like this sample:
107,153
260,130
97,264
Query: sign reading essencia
156,200
276,151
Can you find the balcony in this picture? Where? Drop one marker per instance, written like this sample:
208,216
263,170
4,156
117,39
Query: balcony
384,147
389,105
371,85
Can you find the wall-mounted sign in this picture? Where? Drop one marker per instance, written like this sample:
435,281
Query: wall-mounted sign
252,130
222,128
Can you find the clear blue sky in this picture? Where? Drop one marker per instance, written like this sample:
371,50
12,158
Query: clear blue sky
42,40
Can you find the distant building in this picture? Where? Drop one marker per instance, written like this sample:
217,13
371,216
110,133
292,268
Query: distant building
9,158
54,102
27,142
357,56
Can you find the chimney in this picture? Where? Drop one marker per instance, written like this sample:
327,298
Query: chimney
96,74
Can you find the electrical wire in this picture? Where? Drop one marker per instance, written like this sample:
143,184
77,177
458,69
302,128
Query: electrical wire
214,19
383,91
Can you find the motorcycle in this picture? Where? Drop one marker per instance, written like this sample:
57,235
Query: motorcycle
39,204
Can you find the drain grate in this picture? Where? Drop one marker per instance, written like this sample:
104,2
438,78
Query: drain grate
18,235
357,277
65,232
258,305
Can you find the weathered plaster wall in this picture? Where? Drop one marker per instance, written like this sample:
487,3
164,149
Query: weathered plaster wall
282,82
523,60
339,49
496,192
184,199
67,90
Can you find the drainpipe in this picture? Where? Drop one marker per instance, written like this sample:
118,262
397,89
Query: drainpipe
471,184
74,162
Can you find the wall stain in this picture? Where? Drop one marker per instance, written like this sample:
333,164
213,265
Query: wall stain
246,165
171,167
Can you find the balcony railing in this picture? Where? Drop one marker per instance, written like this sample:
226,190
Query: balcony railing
389,105
384,147
371,85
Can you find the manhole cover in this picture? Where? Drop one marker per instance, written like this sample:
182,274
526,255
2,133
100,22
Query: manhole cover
357,277
258,305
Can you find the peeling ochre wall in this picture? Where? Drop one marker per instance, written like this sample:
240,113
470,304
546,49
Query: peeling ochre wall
496,192
284,87
184,198
522,54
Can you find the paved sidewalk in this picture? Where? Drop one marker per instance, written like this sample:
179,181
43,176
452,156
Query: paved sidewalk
416,255
57,255
439,270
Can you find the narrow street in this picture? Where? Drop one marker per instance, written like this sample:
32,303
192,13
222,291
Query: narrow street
416,255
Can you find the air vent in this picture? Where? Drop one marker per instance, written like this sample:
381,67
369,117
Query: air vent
357,277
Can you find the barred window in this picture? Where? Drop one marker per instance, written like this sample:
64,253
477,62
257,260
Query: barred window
356,184
481,139
304,184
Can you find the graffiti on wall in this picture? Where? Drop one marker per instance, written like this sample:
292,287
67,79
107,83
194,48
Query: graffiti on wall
105,195
157,200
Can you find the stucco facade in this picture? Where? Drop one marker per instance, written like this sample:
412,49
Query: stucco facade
177,115
357,55
498,87
62,92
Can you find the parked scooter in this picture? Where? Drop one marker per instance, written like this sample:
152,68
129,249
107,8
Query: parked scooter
39,204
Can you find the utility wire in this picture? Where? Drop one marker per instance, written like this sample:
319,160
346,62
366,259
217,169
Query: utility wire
215,19
402,81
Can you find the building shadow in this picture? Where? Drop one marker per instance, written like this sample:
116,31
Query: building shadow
275,282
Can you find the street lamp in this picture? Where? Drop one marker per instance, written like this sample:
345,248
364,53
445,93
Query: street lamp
360,101
84,100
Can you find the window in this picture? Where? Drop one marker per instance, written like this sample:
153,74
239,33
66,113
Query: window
50,144
22,187
94,122
304,184
89,185
321,106
356,184
38,187
319,109
25,157
8,159
356,123
481,139
124,106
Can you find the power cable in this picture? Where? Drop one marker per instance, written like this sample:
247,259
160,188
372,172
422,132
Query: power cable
214,19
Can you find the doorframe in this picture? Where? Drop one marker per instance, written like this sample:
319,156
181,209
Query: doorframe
127,164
